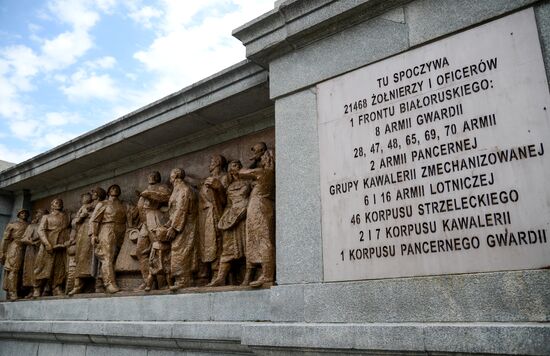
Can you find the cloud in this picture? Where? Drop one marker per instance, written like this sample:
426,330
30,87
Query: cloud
145,15
106,62
62,118
86,86
186,49
21,68
76,13
16,155
24,129
65,49
191,40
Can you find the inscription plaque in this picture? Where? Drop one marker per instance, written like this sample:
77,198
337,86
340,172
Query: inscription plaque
434,161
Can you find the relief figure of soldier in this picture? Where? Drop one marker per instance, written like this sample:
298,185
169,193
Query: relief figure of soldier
53,231
181,229
153,250
107,227
84,252
11,250
32,243
212,200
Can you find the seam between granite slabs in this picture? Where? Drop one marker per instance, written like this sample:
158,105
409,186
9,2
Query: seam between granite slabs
407,25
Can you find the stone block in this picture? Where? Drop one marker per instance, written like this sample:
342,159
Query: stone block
241,305
49,349
298,208
523,339
93,350
501,296
434,18
11,348
119,309
388,337
298,335
25,326
157,329
129,329
176,307
65,309
26,310
78,328
73,350
163,353
357,46
287,303
207,330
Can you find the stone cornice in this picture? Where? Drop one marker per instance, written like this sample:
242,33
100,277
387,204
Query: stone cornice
295,23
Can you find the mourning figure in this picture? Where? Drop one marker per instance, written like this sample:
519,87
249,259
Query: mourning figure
11,250
260,220
107,227
232,223
32,242
181,229
211,204
53,231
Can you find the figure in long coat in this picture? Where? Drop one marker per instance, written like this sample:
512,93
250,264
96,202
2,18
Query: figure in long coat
84,252
260,221
232,223
181,229
50,262
32,243
11,252
107,227
212,201
153,253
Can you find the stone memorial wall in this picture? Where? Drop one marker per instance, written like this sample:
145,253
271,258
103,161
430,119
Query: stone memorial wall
405,157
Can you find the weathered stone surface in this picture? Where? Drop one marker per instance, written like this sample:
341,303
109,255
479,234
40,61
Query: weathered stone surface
528,338
298,209
73,350
47,349
287,303
119,309
433,18
502,296
412,337
10,348
360,45
176,307
241,306
542,13
110,350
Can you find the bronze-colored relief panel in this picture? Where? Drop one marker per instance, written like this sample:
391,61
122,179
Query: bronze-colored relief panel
202,220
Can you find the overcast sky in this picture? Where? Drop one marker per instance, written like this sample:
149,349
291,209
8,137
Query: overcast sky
69,66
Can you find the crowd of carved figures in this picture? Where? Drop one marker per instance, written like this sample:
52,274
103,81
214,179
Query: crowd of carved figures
213,233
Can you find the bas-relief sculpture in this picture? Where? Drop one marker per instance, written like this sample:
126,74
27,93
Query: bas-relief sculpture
215,233
49,268
84,254
107,227
153,249
11,249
